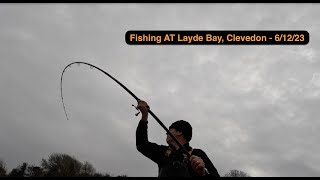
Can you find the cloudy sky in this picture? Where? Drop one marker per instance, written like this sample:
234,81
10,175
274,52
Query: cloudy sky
253,108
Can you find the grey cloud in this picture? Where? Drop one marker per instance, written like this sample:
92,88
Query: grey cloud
253,108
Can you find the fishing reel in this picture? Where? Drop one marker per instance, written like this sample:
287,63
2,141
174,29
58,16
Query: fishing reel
136,109
178,164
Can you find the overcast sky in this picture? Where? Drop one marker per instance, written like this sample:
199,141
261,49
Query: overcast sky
252,108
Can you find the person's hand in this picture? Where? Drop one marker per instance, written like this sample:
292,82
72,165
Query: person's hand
143,107
197,165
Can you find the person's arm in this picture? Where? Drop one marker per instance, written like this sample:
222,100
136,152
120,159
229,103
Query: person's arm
149,149
210,169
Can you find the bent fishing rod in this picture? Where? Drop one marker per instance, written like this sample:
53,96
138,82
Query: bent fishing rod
133,95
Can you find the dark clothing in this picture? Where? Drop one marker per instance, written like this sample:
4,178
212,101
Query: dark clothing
168,163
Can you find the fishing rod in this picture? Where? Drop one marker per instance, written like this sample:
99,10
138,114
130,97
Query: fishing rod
133,95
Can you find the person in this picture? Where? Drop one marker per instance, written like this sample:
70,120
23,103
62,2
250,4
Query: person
171,160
